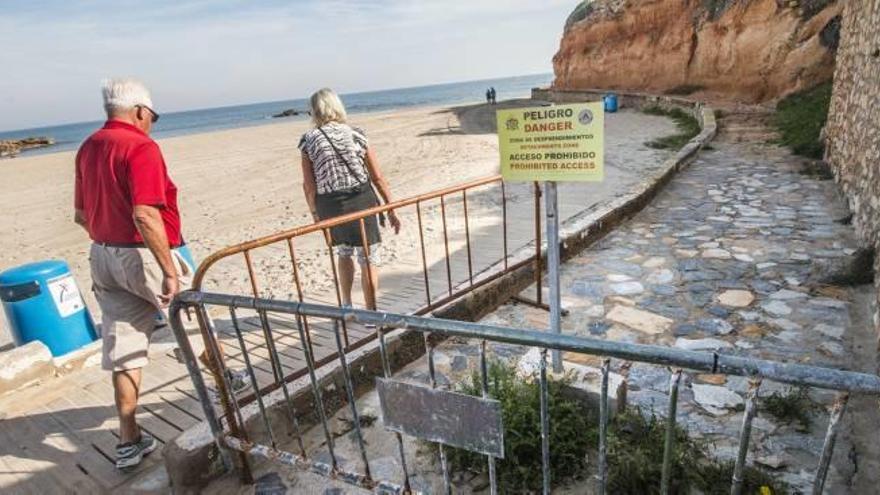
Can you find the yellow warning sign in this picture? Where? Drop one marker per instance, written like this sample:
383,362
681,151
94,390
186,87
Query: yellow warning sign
552,143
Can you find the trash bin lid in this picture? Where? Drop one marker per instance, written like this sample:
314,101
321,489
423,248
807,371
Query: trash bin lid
34,271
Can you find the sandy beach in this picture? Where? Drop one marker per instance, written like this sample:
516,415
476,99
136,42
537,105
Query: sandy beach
236,185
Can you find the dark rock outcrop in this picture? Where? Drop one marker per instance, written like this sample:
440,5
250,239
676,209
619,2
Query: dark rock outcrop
10,148
290,113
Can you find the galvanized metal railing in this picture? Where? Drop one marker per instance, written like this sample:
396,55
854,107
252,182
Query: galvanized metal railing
233,437
477,276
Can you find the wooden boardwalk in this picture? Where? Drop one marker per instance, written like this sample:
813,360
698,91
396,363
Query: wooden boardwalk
60,437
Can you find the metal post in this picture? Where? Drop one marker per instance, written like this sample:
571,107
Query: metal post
192,366
668,445
830,437
539,294
484,374
545,424
432,377
553,265
745,434
603,428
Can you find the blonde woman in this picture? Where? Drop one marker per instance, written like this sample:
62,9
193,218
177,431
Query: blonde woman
339,172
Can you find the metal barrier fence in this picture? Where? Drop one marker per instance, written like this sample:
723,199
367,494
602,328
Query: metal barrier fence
233,436
498,264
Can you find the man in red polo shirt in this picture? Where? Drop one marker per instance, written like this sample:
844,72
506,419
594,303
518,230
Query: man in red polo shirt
127,203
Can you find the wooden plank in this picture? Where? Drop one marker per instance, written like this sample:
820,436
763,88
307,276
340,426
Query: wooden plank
285,331
33,462
51,442
85,422
170,394
13,479
157,405
260,354
163,432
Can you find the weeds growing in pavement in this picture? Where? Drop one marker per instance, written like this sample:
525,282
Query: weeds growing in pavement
635,445
572,434
688,127
685,89
792,406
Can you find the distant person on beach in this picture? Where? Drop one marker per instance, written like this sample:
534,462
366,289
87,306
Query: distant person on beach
492,95
489,96
127,203
340,171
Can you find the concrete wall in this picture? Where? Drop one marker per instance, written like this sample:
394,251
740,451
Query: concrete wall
853,129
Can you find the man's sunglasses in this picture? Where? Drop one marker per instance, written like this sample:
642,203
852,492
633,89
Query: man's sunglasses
152,112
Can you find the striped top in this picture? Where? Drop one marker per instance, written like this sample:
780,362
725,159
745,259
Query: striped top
331,173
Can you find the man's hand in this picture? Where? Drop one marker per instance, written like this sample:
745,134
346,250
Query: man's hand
148,221
395,222
170,288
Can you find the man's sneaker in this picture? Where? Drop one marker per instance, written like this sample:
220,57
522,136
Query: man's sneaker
129,455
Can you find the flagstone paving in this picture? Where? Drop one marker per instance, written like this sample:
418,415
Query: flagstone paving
719,261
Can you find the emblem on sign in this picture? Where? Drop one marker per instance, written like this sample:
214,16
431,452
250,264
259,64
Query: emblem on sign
66,295
585,117
552,142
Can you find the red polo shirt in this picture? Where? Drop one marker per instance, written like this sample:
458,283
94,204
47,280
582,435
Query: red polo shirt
118,167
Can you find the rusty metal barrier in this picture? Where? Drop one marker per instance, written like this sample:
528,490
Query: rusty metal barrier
477,276
234,438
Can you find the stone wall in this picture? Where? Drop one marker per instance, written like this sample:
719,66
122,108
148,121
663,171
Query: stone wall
853,129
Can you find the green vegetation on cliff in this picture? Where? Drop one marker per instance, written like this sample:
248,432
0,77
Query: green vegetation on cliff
800,117
579,13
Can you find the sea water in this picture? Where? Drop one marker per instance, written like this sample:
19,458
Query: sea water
69,136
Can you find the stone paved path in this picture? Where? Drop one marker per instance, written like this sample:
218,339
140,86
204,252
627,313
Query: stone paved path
721,260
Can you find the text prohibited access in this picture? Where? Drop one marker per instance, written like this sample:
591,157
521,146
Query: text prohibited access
558,143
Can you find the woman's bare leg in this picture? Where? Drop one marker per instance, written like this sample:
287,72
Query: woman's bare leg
370,286
346,277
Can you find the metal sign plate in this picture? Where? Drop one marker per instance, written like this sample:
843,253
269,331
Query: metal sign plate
451,418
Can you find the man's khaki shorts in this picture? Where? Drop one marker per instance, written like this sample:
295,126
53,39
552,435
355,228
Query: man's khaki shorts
127,283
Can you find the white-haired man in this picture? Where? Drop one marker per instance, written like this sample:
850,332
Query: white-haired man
127,203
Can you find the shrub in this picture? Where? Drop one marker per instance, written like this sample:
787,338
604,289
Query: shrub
572,432
715,479
800,117
580,12
685,89
635,445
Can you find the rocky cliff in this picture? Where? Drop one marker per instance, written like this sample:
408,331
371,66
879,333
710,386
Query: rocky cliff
751,50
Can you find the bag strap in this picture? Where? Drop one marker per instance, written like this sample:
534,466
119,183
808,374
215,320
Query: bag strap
341,157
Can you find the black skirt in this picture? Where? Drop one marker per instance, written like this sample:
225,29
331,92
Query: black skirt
342,203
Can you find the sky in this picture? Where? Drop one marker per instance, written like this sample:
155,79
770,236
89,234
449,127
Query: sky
208,53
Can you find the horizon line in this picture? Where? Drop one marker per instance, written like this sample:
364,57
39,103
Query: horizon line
350,93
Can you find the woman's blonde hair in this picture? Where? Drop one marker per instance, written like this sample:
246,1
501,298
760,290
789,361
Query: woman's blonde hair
327,107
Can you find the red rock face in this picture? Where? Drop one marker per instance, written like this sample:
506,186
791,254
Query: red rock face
753,50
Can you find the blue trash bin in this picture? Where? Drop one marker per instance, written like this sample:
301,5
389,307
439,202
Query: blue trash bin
43,302
187,256
610,102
